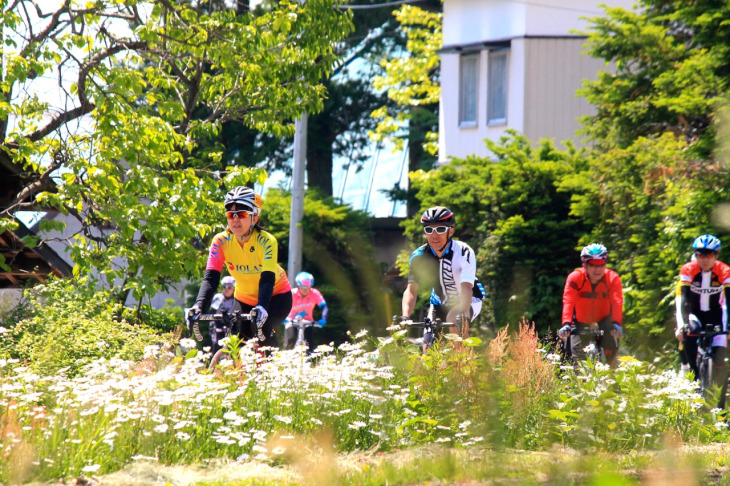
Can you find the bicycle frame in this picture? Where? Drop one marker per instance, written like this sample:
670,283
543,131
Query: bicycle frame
300,324
597,352
232,326
705,358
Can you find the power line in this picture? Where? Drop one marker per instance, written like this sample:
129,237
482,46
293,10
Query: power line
401,2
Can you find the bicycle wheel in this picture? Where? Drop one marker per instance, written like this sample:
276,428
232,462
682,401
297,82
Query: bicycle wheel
705,369
217,357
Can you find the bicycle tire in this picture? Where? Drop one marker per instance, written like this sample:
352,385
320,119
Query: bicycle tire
216,358
705,370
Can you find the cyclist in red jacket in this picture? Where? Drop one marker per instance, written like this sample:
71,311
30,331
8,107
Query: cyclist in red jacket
593,296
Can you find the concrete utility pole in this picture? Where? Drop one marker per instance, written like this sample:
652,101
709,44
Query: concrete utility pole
297,197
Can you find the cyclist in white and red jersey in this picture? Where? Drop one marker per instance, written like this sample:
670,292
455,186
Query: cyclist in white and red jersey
702,298
305,298
250,253
447,267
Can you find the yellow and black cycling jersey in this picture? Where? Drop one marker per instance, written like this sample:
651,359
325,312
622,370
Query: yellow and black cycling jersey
245,262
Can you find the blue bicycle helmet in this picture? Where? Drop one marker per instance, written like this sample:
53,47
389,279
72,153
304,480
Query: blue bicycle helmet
305,279
594,251
707,243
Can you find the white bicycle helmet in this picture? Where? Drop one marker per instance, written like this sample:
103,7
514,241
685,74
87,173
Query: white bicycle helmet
594,251
244,196
228,281
305,279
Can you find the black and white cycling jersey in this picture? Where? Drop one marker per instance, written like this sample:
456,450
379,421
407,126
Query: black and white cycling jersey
445,275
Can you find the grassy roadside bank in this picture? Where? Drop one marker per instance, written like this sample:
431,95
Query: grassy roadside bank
686,466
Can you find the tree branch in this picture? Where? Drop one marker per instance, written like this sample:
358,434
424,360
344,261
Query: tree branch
85,105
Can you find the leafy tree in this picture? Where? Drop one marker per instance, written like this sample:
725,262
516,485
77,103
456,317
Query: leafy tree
658,177
412,83
338,251
513,214
672,63
341,128
647,203
131,175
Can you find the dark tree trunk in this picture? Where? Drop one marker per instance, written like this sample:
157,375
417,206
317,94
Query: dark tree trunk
242,7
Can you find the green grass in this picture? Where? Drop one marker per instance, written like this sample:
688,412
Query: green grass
452,415
439,465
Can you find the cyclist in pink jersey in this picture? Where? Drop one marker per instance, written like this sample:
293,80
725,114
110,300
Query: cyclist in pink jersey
305,299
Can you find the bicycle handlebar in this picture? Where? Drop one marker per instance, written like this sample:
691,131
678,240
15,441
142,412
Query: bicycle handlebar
227,316
707,330
585,332
235,318
427,324
299,322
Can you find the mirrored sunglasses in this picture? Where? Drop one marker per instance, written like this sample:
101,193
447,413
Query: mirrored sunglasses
237,214
438,229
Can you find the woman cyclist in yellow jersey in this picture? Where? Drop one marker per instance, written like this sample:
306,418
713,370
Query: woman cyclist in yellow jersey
250,253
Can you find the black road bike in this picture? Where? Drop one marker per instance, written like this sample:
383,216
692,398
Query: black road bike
595,353
705,358
429,326
230,323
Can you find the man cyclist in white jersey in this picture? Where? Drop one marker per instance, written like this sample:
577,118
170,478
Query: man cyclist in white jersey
701,299
448,268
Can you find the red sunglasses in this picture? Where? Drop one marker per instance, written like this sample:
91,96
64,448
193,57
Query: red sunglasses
238,214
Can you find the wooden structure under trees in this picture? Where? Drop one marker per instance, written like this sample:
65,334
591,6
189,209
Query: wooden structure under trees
28,266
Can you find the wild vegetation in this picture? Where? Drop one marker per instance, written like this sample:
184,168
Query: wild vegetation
365,394
87,387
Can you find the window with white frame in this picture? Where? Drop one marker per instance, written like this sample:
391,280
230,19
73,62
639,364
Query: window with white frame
468,89
497,86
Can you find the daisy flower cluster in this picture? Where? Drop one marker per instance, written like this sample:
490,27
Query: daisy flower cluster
634,406
175,411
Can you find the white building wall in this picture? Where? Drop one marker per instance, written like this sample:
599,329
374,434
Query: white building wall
9,299
544,72
467,21
555,70
460,141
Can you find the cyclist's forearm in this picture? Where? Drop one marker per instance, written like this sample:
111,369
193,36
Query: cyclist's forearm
679,312
683,310
467,290
208,286
266,288
409,302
